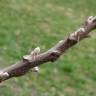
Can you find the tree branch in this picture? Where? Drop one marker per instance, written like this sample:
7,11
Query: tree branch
35,58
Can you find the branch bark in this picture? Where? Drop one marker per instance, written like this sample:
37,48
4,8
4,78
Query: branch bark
35,58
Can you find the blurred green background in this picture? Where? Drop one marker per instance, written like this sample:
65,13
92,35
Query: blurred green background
26,24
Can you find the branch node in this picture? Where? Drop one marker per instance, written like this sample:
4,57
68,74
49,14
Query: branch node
76,36
32,55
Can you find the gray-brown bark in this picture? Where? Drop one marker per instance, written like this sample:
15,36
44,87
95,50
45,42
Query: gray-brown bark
30,61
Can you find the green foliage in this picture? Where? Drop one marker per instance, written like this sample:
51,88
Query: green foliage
26,24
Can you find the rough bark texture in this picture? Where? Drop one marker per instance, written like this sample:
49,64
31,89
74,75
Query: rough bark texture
31,61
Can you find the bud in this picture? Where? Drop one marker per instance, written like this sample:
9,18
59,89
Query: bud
35,69
3,75
36,51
